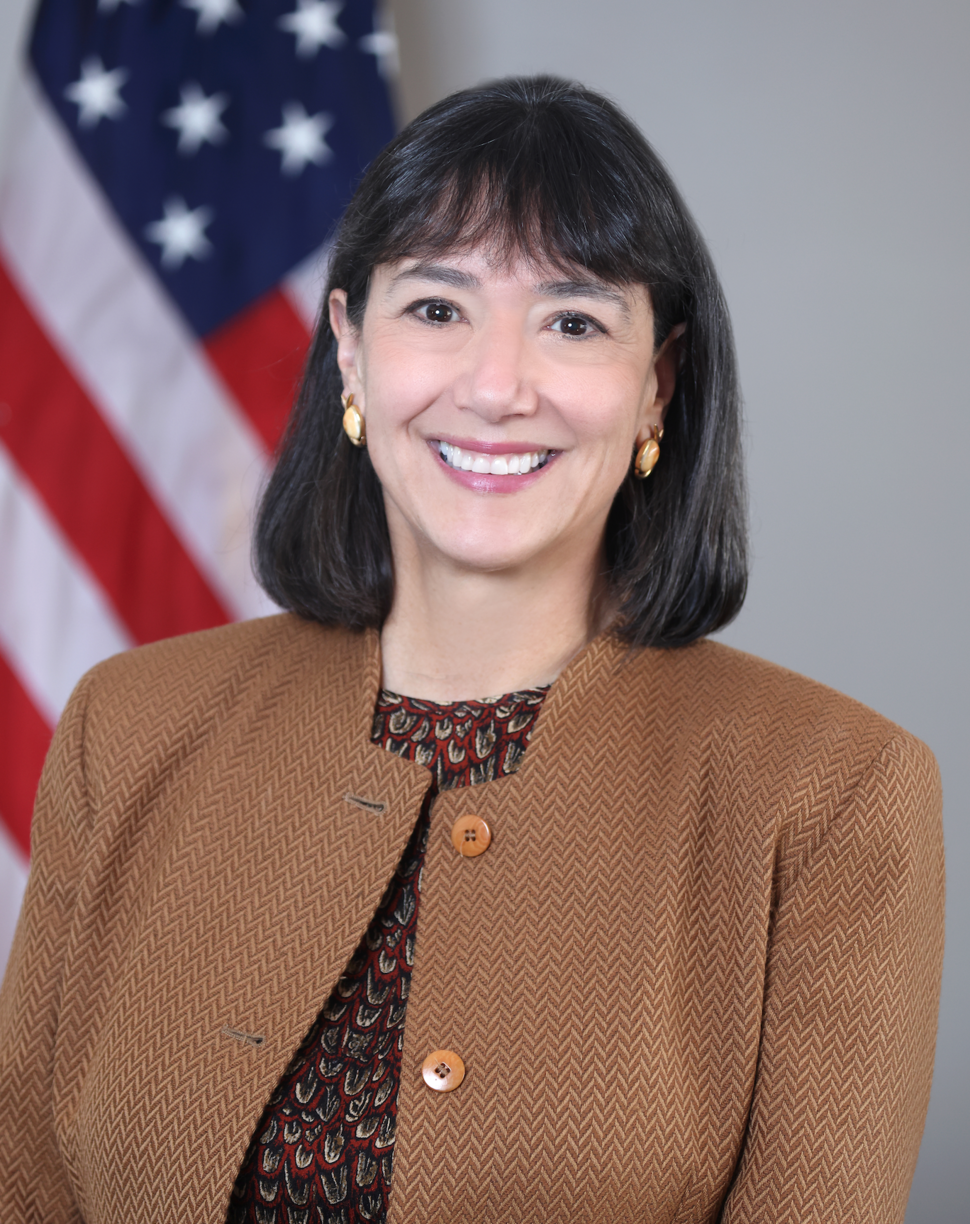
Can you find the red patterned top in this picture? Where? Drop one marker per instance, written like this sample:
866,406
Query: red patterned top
323,1151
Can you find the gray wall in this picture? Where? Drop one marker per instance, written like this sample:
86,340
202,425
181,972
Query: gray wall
14,15
824,151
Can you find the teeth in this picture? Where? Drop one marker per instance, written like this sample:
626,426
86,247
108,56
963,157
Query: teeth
491,465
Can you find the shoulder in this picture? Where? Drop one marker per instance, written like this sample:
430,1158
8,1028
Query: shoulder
144,723
781,708
214,650
199,663
714,684
159,699
764,743
836,768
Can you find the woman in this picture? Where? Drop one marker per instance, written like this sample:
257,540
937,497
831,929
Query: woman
318,928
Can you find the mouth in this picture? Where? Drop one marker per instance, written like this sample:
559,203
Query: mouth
493,465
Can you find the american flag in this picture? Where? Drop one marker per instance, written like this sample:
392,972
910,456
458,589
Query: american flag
174,170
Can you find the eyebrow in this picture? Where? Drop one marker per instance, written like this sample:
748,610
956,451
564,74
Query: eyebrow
585,288
438,272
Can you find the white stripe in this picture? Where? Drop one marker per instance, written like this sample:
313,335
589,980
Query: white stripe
55,622
130,349
13,881
304,286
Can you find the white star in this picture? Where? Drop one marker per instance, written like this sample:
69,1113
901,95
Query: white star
180,233
96,93
212,13
383,44
314,22
197,118
109,6
301,138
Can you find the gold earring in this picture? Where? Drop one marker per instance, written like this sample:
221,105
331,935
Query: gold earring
353,421
648,454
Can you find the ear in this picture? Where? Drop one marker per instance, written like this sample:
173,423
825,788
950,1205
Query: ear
666,365
348,345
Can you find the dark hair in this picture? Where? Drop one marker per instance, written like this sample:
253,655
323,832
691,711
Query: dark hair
544,167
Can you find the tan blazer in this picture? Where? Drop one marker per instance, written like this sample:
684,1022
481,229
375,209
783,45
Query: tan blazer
694,978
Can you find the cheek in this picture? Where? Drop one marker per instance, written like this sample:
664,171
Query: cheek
399,385
605,413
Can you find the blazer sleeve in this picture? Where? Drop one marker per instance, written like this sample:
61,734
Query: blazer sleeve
850,1012
35,1186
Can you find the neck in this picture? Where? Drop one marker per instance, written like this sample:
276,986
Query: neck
459,635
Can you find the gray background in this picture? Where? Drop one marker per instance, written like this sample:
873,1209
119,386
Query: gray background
823,149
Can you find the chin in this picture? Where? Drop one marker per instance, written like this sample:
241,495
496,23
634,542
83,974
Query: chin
493,561
487,552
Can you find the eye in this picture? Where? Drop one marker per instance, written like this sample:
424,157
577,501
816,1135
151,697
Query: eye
435,312
573,325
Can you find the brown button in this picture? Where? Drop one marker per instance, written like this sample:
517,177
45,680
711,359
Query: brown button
443,1070
470,835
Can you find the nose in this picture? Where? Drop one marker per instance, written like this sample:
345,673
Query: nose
495,380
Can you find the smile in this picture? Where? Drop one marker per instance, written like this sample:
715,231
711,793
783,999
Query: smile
491,465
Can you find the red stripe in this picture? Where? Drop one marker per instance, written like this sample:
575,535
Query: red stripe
24,740
260,355
64,447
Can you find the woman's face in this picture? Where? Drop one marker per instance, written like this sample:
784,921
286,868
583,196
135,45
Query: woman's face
502,404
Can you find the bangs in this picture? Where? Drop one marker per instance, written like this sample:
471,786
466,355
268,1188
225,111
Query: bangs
530,182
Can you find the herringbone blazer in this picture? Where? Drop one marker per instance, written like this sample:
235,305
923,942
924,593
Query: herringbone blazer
694,978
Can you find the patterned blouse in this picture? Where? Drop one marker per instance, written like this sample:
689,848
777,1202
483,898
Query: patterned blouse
323,1151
